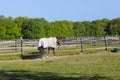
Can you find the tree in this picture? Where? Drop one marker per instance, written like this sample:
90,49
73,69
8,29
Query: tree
33,29
2,32
51,31
60,29
67,28
2,27
79,29
98,28
19,21
2,17
87,25
115,26
114,29
45,25
10,28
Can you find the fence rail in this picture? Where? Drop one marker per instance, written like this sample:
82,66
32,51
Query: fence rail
16,47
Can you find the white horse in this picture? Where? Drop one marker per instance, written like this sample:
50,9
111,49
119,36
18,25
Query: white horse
49,43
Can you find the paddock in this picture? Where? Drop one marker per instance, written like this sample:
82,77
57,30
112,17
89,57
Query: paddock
100,66
93,63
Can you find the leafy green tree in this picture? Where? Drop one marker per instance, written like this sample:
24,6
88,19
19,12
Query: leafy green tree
115,26
19,21
10,28
54,29
2,27
2,32
87,25
67,28
51,31
45,25
106,25
98,28
2,17
33,29
60,28
114,29
79,29
115,21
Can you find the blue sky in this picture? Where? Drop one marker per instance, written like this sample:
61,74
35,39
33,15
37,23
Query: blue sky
51,10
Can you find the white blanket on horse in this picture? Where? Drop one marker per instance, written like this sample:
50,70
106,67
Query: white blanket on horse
48,42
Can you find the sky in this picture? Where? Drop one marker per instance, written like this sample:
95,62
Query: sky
52,10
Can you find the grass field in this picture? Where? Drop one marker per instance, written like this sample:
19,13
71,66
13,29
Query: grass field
99,66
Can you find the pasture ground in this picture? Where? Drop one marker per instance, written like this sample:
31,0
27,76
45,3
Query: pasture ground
98,66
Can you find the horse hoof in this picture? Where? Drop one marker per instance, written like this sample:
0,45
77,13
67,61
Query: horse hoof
55,56
43,58
46,57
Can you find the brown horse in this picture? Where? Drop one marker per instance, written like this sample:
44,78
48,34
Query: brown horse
50,44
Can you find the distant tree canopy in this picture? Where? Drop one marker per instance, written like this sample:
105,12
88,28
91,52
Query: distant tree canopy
35,28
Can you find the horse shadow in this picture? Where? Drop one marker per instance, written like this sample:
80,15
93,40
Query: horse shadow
32,55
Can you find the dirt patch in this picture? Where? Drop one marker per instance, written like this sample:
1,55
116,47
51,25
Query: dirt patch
57,57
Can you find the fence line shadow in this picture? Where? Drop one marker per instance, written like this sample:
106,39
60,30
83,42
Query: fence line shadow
26,75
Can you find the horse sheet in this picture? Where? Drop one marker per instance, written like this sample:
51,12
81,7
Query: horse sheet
48,42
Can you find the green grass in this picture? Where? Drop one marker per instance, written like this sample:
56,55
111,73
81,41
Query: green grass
10,57
80,67
32,54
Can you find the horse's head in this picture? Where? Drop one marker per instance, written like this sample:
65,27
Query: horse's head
59,40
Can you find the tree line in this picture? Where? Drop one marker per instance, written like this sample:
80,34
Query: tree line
35,28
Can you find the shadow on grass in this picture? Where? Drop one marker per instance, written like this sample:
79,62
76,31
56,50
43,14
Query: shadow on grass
27,75
32,55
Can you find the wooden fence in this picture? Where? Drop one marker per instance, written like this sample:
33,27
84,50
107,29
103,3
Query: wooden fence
21,46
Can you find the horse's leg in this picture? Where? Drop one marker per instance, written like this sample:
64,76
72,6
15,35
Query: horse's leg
41,49
53,51
42,53
48,52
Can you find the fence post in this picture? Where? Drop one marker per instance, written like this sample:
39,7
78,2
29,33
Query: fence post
15,45
94,42
105,43
81,44
21,39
